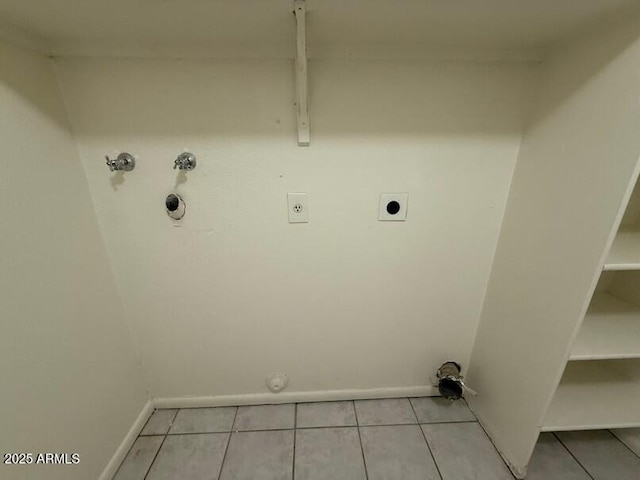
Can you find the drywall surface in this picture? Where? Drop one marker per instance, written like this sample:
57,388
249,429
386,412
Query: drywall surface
234,292
71,382
576,162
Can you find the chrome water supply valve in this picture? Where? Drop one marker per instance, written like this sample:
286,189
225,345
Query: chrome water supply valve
124,162
185,161
449,381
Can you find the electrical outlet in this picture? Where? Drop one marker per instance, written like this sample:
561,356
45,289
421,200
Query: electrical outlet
298,206
393,207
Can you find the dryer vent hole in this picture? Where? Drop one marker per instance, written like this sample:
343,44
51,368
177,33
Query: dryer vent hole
393,207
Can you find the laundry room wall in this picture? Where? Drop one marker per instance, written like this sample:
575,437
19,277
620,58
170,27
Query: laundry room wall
71,377
234,292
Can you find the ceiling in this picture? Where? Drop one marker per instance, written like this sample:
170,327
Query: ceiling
265,28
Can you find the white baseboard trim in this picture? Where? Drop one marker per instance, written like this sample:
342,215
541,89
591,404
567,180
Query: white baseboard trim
293,397
121,452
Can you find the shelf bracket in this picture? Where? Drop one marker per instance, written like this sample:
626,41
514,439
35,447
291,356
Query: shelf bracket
302,105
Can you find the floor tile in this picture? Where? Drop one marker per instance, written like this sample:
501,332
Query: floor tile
139,459
630,437
464,452
329,453
390,411
160,422
397,452
204,420
602,454
259,456
551,461
265,417
438,410
190,457
326,414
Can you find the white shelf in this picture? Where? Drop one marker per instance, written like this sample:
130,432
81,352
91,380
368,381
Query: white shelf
596,395
611,330
266,29
625,252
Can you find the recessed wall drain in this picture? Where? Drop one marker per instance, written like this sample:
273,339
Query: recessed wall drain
175,206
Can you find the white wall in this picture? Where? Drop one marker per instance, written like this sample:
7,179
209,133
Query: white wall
344,302
70,379
577,160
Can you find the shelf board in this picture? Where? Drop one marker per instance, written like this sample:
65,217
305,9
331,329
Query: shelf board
625,252
266,29
611,330
596,395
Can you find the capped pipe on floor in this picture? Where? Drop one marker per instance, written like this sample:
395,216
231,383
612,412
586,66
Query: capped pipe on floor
450,381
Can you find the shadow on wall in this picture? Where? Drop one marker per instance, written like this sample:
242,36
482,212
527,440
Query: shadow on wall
551,97
193,98
42,96
227,98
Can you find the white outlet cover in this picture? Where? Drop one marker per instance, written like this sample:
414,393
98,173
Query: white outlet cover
393,207
298,207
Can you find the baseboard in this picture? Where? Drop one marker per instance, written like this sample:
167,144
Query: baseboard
121,452
293,397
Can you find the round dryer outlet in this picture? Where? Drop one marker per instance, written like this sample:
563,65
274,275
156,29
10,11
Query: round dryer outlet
276,382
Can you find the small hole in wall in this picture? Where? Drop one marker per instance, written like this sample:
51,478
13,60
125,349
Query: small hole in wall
393,207
172,203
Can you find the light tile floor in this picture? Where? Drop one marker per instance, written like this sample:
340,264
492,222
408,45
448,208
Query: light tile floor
400,439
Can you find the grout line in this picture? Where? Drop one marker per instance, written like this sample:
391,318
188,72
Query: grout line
355,412
295,429
214,407
414,411
171,422
235,417
502,459
127,455
161,444
195,433
318,427
224,457
574,457
326,426
364,460
426,441
469,408
154,457
146,423
293,402
168,428
618,438
416,423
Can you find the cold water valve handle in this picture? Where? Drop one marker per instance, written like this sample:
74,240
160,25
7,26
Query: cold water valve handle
124,162
185,161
